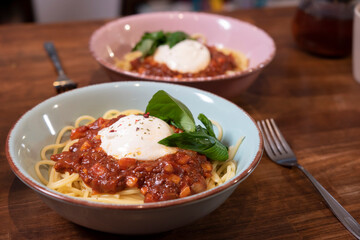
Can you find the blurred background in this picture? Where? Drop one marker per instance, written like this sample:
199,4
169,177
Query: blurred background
47,11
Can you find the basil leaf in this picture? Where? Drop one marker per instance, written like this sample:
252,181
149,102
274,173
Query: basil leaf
200,142
173,38
217,152
196,138
150,41
169,109
158,36
144,46
207,123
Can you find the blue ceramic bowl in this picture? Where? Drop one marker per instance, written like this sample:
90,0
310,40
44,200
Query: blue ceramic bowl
39,126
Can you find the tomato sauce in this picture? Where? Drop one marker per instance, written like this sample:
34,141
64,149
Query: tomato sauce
219,64
169,177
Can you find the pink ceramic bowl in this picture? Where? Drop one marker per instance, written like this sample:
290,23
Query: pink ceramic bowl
118,37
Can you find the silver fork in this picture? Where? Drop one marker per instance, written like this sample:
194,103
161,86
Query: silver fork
280,152
62,83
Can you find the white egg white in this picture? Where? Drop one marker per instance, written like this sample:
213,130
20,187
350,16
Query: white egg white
136,136
188,56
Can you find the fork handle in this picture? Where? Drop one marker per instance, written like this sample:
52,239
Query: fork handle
345,218
51,50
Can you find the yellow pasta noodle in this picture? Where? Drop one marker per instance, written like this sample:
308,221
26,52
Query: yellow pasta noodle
72,184
240,59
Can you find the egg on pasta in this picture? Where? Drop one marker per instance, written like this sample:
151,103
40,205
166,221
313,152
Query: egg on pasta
179,55
122,157
137,137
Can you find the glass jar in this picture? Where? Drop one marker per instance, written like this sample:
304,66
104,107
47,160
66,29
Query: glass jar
324,27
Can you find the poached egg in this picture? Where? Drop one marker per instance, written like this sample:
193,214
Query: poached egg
187,56
136,136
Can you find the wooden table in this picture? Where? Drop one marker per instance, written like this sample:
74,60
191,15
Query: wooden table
315,101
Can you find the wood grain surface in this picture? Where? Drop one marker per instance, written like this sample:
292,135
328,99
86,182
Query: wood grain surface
315,101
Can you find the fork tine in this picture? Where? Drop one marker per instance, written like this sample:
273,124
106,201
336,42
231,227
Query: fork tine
275,143
272,146
268,143
283,143
274,136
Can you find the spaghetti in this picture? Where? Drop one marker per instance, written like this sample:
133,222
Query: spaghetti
71,184
222,61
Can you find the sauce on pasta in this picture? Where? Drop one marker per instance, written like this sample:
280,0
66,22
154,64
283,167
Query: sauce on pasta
169,177
67,179
220,63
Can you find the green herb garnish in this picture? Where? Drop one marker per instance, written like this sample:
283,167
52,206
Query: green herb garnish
175,37
150,41
196,138
171,110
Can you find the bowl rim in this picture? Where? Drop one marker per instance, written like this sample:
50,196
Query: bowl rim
42,189
237,74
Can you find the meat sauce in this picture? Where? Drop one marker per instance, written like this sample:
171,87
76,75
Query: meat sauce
219,64
169,177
